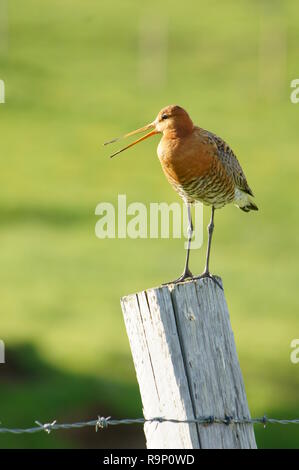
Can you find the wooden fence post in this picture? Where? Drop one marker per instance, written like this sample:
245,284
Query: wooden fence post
187,366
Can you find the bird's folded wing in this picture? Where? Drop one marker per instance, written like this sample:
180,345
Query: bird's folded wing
230,163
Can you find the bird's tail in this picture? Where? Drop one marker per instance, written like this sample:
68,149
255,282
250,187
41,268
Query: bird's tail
250,206
244,201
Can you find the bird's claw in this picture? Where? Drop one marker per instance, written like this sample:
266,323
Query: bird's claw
187,275
206,274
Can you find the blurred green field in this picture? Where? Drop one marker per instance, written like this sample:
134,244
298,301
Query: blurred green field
77,74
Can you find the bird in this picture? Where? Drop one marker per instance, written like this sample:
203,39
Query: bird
200,166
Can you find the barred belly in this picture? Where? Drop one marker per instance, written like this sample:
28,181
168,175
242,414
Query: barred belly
210,191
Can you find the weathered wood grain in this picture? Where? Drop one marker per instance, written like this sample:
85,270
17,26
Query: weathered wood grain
187,366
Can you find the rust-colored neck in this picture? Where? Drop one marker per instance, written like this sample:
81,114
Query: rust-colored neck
182,130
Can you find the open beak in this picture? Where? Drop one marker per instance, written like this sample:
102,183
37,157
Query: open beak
142,129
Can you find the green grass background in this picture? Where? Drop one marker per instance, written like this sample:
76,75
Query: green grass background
74,76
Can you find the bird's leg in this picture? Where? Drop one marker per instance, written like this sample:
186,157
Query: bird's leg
186,273
210,232
206,272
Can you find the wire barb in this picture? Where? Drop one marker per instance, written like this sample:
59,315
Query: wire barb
228,420
102,423
264,421
47,427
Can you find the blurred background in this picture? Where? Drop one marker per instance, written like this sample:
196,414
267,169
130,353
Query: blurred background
77,74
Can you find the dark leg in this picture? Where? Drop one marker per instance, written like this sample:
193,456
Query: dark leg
206,272
210,232
186,273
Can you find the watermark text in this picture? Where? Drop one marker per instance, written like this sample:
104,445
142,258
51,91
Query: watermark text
295,353
2,92
2,352
295,93
136,220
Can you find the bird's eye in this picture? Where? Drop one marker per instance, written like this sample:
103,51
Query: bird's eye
164,116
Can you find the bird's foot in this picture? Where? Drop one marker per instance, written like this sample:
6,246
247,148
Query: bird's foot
187,274
206,274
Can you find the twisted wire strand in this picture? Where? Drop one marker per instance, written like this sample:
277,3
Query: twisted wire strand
102,423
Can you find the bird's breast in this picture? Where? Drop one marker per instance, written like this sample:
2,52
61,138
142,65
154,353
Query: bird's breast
193,168
183,160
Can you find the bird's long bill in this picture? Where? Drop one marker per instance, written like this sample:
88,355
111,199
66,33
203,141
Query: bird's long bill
137,131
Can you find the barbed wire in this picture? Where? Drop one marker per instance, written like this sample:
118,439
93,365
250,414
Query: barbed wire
102,423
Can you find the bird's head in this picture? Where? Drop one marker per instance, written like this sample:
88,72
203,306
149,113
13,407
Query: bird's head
171,121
